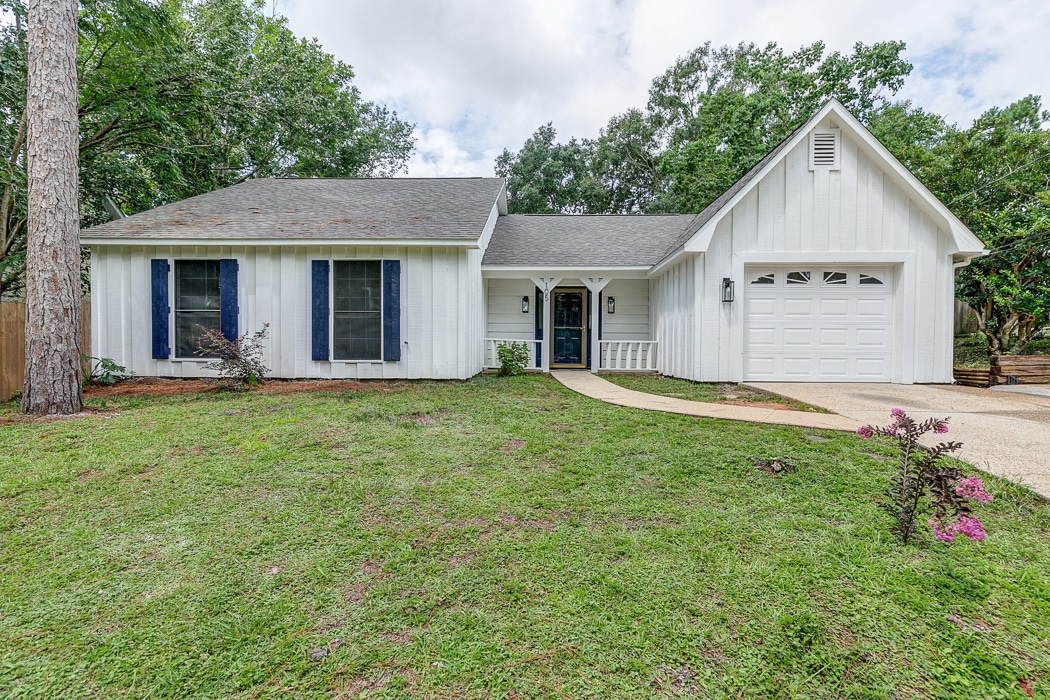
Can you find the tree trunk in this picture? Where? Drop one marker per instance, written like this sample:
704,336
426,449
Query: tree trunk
52,368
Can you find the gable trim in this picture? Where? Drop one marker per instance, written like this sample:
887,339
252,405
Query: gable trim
964,239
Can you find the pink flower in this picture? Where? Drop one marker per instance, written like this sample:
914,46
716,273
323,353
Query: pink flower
973,487
865,431
945,532
970,527
897,413
941,426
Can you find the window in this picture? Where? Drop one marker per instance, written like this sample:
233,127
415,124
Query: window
869,279
357,329
834,278
799,277
768,278
196,303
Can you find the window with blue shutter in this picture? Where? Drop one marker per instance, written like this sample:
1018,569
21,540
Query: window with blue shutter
228,307
319,309
391,310
161,310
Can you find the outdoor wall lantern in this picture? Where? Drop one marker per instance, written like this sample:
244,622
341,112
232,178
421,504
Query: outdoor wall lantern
524,305
728,291
612,305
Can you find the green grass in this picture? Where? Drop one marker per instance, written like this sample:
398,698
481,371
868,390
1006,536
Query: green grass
701,391
495,538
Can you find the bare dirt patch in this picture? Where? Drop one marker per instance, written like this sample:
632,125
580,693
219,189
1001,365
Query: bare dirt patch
511,445
23,419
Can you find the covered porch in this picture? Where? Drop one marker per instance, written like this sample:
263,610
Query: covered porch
596,319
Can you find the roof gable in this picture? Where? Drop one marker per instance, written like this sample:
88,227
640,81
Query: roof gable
698,234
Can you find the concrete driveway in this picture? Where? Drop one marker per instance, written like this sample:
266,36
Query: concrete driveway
1003,433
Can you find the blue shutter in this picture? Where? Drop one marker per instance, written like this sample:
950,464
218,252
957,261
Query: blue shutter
228,308
391,310
319,309
161,310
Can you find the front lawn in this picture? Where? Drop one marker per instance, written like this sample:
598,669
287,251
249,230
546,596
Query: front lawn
495,538
704,391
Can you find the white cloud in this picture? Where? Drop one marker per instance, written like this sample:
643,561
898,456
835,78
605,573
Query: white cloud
478,76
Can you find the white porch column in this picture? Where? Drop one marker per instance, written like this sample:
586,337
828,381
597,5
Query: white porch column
546,284
595,285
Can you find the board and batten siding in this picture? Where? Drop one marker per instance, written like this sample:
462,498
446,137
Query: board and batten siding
631,320
855,215
442,309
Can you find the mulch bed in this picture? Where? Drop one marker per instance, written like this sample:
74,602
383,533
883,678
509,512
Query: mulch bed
157,386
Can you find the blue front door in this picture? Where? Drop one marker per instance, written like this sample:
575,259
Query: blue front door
569,315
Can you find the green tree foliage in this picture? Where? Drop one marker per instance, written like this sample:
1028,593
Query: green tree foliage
996,177
180,97
710,118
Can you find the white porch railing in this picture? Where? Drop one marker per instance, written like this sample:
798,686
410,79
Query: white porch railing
637,355
492,357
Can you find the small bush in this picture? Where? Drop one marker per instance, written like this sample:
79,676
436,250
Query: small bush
106,371
513,358
925,484
239,362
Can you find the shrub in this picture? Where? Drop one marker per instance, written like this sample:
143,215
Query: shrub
239,362
106,371
925,484
513,358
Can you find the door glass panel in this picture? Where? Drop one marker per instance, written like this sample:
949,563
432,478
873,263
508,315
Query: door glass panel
568,328
835,278
799,277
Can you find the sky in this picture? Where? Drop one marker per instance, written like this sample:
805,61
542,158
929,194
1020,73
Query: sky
478,76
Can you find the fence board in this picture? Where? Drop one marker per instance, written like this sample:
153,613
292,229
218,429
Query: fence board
12,344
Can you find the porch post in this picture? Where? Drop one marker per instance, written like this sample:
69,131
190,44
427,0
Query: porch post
546,284
595,285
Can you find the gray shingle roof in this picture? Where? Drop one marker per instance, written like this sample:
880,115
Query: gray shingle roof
625,240
395,208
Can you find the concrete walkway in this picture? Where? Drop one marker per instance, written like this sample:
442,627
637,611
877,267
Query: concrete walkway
588,384
1003,433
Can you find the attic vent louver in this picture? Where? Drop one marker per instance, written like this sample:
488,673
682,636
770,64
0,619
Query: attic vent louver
824,150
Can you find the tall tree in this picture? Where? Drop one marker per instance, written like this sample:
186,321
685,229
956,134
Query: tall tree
996,177
183,97
52,367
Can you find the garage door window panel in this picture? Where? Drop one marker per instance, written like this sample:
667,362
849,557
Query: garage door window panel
799,277
835,278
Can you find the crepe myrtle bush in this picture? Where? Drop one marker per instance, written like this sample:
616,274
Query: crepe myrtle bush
238,361
925,484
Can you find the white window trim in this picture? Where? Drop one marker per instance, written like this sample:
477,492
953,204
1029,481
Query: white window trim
331,312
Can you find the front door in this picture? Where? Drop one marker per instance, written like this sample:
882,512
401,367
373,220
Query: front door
569,314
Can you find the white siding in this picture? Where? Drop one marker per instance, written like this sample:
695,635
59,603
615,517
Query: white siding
505,320
631,320
675,315
442,311
857,214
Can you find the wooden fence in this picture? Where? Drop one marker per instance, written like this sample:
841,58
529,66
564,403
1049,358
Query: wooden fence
12,344
965,321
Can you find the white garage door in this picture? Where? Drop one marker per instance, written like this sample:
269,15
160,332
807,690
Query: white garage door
818,323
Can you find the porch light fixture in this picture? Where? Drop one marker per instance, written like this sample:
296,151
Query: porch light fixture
728,290
524,305
611,304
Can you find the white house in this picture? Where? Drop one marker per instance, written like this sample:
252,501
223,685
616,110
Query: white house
828,261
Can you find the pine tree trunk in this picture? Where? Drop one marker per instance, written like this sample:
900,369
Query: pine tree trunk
52,368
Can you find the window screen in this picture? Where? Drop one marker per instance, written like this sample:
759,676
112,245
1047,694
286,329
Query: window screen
357,332
196,303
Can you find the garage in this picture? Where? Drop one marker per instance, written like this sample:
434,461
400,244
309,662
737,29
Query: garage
818,323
